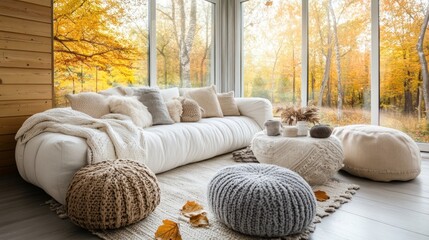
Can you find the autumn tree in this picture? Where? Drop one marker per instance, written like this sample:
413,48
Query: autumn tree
92,42
423,62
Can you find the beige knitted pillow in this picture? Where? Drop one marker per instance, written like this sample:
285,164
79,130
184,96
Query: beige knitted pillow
227,104
91,103
192,112
207,99
175,109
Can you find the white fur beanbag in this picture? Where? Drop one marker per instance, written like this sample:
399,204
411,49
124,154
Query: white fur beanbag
379,153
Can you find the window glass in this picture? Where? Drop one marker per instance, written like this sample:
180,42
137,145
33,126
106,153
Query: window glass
185,43
271,50
339,60
99,44
402,98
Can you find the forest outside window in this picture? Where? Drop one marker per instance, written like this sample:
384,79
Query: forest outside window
271,50
99,44
403,67
339,59
185,43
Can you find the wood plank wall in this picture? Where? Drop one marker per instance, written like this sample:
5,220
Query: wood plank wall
26,68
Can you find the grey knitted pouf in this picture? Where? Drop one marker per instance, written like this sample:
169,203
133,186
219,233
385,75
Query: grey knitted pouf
261,200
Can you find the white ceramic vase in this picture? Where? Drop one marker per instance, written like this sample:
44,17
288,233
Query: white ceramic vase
302,128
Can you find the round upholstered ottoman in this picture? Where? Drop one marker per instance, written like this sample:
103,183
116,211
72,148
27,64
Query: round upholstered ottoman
379,153
261,200
316,159
112,194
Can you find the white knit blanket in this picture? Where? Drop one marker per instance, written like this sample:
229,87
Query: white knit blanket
112,137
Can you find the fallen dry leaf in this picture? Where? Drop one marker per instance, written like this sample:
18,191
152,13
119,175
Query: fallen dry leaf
321,196
169,230
192,208
199,220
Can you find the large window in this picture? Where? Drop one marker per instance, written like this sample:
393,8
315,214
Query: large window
364,61
402,70
339,54
103,43
184,42
271,38
99,44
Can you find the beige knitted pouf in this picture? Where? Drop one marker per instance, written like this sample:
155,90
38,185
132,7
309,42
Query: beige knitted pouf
112,194
317,160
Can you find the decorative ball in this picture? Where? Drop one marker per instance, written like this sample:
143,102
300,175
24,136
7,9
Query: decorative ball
112,194
320,131
261,200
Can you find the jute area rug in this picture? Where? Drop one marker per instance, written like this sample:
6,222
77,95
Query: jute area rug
189,183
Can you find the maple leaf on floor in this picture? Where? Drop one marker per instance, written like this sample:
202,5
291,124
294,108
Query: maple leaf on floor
321,196
169,230
191,208
199,220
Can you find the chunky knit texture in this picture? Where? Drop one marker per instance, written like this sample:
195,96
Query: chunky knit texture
261,200
112,137
112,194
191,111
317,160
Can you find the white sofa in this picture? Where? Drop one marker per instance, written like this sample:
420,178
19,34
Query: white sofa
50,160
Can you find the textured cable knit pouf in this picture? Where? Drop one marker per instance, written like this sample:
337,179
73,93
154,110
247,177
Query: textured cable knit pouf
112,194
261,200
317,160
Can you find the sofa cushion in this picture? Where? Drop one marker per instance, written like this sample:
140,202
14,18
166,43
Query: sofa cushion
192,112
207,99
131,107
152,99
170,93
175,109
379,153
227,104
115,91
93,104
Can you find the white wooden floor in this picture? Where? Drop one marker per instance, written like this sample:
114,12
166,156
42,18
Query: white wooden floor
390,211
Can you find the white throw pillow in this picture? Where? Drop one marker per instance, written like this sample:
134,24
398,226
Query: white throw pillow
169,93
379,153
131,107
207,99
91,103
116,91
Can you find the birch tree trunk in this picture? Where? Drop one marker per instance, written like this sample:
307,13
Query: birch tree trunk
207,47
338,62
327,61
186,41
273,70
423,63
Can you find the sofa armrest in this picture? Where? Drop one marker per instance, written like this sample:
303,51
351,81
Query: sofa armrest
259,109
